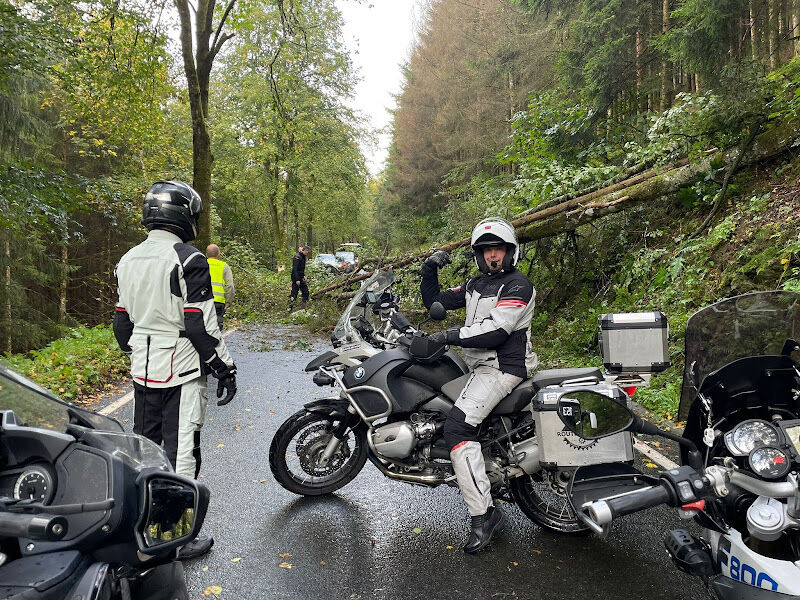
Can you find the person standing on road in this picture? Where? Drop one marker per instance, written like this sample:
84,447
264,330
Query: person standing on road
497,348
166,322
299,275
221,282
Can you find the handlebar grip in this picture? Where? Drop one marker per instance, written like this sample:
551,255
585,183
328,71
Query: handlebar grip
605,511
631,503
50,528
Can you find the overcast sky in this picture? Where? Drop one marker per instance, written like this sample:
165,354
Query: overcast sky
380,34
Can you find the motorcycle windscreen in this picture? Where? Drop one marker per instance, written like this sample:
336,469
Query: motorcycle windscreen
34,406
378,283
750,325
597,482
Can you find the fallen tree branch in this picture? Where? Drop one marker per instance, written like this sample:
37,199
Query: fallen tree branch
652,184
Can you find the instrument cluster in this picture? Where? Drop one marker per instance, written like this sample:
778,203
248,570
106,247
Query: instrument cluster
770,448
35,482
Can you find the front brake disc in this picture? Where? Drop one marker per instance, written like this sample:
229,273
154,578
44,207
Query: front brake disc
311,445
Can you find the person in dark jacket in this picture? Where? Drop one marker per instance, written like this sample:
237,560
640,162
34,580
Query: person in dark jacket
299,275
496,342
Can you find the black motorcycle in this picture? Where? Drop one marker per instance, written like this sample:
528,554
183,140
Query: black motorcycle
87,511
392,407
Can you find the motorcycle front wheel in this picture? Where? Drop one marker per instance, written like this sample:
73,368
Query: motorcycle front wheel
543,499
298,446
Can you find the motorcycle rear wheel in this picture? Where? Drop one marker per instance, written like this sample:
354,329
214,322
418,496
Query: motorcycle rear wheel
545,502
299,443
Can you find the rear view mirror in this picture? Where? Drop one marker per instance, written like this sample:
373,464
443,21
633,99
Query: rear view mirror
172,511
591,415
437,312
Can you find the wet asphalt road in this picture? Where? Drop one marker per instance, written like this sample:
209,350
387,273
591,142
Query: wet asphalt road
377,538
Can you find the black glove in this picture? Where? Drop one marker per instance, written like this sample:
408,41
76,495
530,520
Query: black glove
226,385
448,336
437,260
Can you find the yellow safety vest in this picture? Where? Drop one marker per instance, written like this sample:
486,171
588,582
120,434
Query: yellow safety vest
216,267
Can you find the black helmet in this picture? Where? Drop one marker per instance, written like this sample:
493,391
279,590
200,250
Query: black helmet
174,206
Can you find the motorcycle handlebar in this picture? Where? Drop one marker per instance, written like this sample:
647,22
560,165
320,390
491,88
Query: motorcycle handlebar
605,511
44,527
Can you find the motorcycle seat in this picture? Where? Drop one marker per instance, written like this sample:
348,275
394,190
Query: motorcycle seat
518,399
547,377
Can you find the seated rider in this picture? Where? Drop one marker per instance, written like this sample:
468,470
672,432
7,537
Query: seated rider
496,342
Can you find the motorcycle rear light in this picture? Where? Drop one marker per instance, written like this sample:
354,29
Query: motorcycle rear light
688,553
630,390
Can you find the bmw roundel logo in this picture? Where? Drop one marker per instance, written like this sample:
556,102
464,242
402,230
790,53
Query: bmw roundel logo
359,372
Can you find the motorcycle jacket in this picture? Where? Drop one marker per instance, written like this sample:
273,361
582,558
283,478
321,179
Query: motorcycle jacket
298,266
165,318
496,332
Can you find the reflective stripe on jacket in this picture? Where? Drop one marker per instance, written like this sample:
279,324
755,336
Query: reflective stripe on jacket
217,267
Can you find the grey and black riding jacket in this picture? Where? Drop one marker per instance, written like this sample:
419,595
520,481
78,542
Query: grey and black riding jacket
497,329
165,317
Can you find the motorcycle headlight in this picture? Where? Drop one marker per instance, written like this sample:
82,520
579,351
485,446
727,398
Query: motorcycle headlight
172,509
751,434
769,462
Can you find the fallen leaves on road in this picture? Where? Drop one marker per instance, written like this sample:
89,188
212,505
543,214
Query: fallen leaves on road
285,565
237,559
220,445
417,530
285,555
650,465
212,590
205,568
322,562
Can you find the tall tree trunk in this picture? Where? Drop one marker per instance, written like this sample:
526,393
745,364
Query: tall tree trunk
296,226
772,33
795,26
197,64
62,305
753,32
8,295
666,65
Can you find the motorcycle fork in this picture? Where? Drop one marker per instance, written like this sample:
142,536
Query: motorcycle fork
338,434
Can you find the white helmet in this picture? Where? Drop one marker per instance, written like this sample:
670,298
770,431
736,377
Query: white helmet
495,231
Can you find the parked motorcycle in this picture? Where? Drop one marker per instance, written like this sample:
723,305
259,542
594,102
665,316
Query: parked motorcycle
740,449
392,405
87,512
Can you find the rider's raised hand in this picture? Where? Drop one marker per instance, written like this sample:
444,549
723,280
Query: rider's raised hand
437,260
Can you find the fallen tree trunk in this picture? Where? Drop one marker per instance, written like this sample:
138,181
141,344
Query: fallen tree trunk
552,219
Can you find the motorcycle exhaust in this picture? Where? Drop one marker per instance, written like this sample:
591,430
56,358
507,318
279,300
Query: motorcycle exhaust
423,480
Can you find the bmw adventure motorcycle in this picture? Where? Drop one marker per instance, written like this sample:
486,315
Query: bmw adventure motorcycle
392,405
87,512
740,449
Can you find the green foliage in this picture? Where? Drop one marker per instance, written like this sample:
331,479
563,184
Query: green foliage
289,169
77,366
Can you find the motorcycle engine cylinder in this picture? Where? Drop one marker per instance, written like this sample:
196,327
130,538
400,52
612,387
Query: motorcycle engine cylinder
395,440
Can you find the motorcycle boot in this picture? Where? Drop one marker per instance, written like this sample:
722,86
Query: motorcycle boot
483,527
196,548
